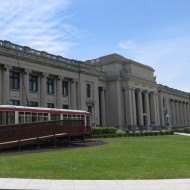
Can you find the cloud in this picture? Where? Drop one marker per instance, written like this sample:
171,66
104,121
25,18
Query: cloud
40,24
169,58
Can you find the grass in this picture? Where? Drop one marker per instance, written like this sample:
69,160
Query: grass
158,157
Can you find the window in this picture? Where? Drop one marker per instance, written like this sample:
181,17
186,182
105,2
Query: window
15,102
50,105
65,106
90,109
33,83
164,103
33,104
88,90
50,86
14,80
65,88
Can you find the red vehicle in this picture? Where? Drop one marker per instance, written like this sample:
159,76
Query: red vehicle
20,125
21,114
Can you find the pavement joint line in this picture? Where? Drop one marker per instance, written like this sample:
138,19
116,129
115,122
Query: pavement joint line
5,182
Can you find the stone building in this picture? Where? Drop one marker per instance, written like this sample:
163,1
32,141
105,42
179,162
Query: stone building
117,91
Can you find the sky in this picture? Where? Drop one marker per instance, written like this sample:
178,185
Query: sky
152,32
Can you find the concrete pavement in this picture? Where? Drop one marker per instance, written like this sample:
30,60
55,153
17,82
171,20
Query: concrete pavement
169,184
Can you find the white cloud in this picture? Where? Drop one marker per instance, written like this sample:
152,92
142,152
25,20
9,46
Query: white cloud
169,58
40,24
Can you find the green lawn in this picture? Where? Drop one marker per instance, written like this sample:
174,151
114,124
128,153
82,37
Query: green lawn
156,157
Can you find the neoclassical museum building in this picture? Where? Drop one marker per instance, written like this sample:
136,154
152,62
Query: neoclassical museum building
116,90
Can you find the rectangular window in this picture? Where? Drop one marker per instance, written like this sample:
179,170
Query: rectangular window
14,80
50,86
65,106
15,102
50,105
65,88
88,90
33,104
90,109
33,83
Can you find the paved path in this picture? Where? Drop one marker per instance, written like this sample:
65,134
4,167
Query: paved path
172,184
184,134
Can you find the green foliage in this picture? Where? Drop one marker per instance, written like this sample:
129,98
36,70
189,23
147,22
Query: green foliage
186,130
120,133
104,132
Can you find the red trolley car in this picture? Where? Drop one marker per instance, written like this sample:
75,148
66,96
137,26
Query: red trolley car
20,125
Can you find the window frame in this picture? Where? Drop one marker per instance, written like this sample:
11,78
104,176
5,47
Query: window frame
14,80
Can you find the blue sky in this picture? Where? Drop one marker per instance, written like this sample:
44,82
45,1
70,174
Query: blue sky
153,32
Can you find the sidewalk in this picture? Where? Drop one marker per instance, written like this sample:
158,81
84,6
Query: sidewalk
183,134
171,184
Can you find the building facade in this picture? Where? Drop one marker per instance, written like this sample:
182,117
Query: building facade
117,91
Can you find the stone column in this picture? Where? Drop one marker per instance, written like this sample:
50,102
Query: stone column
103,107
140,107
188,114
25,87
177,113
172,113
1,86
185,113
161,110
153,115
157,110
134,107
73,95
181,113
147,107
128,107
59,93
43,90
6,84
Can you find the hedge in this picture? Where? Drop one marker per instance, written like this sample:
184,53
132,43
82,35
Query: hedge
108,132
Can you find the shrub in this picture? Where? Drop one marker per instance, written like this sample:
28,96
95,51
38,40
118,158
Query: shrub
120,133
137,133
104,132
186,130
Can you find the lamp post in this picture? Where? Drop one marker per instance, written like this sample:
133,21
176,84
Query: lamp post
167,119
144,117
91,103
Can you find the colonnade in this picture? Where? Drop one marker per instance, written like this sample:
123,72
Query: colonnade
141,107
179,113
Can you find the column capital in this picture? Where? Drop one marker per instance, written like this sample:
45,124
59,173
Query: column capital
27,71
139,90
44,74
146,91
7,67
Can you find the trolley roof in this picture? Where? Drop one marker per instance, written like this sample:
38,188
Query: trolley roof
43,110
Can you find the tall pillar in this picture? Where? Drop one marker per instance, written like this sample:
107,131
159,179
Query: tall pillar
172,113
185,113
188,114
128,107
140,108
6,84
103,107
1,86
43,90
25,87
134,107
161,110
147,108
157,110
181,113
178,113
59,93
73,95
153,112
